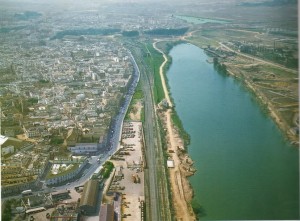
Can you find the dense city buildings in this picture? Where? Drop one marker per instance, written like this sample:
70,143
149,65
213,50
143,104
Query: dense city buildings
89,129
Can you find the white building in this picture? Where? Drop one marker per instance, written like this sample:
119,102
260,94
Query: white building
65,170
84,148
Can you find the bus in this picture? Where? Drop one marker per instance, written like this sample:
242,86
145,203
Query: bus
26,193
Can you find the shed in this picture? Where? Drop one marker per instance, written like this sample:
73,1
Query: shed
170,163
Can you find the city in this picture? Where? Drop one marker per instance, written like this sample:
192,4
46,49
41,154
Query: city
92,127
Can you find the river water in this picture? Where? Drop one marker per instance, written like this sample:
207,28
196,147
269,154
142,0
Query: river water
245,168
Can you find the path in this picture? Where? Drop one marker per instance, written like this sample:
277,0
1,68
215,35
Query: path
162,77
180,204
258,59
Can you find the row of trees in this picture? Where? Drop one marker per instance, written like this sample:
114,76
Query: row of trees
134,33
221,68
89,31
167,31
107,168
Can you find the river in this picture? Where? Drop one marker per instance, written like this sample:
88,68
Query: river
245,168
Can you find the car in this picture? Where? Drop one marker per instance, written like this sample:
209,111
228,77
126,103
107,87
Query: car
68,183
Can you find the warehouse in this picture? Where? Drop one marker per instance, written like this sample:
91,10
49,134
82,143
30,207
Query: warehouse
88,201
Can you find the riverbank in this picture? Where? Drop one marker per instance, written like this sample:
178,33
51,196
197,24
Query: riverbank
182,163
270,107
240,155
275,87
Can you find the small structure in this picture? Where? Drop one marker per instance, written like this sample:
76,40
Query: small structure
170,163
62,194
119,173
10,144
35,210
164,104
88,201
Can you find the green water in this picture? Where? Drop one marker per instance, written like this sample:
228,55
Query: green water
199,20
245,168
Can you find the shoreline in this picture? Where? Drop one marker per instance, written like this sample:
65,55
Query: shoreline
273,113
176,151
263,101
266,104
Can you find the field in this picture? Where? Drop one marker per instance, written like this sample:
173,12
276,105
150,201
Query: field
275,83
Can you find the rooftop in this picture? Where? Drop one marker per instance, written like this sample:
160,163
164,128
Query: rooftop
90,192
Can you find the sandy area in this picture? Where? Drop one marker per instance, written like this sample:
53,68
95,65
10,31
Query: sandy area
181,189
131,166
161,73
136,114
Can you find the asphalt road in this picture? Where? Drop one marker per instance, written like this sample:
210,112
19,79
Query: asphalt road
151,145
113,139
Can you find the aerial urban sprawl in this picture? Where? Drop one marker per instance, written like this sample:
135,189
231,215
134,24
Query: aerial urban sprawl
89,128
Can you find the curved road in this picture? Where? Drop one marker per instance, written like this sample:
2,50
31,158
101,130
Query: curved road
258,59
113,137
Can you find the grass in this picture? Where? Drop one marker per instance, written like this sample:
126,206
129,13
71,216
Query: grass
154,59
178,123
167,46
107,168
137,96
143,115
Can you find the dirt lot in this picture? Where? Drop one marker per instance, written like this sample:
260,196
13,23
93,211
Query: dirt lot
131,169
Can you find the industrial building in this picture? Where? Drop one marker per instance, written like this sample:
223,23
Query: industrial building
88,201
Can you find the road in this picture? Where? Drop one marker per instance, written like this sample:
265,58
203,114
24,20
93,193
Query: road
258,59
182,208
162,77
113,139
157,184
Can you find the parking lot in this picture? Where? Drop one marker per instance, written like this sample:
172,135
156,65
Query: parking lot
129,175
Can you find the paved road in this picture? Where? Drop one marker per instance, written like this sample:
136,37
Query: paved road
258,59
113,139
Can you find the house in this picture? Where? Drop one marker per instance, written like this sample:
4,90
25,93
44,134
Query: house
84,148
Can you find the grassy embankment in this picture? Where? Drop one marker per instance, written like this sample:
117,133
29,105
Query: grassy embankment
154,59
272,86
107,168
166,48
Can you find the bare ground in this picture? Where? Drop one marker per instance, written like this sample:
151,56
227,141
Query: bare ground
182,192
